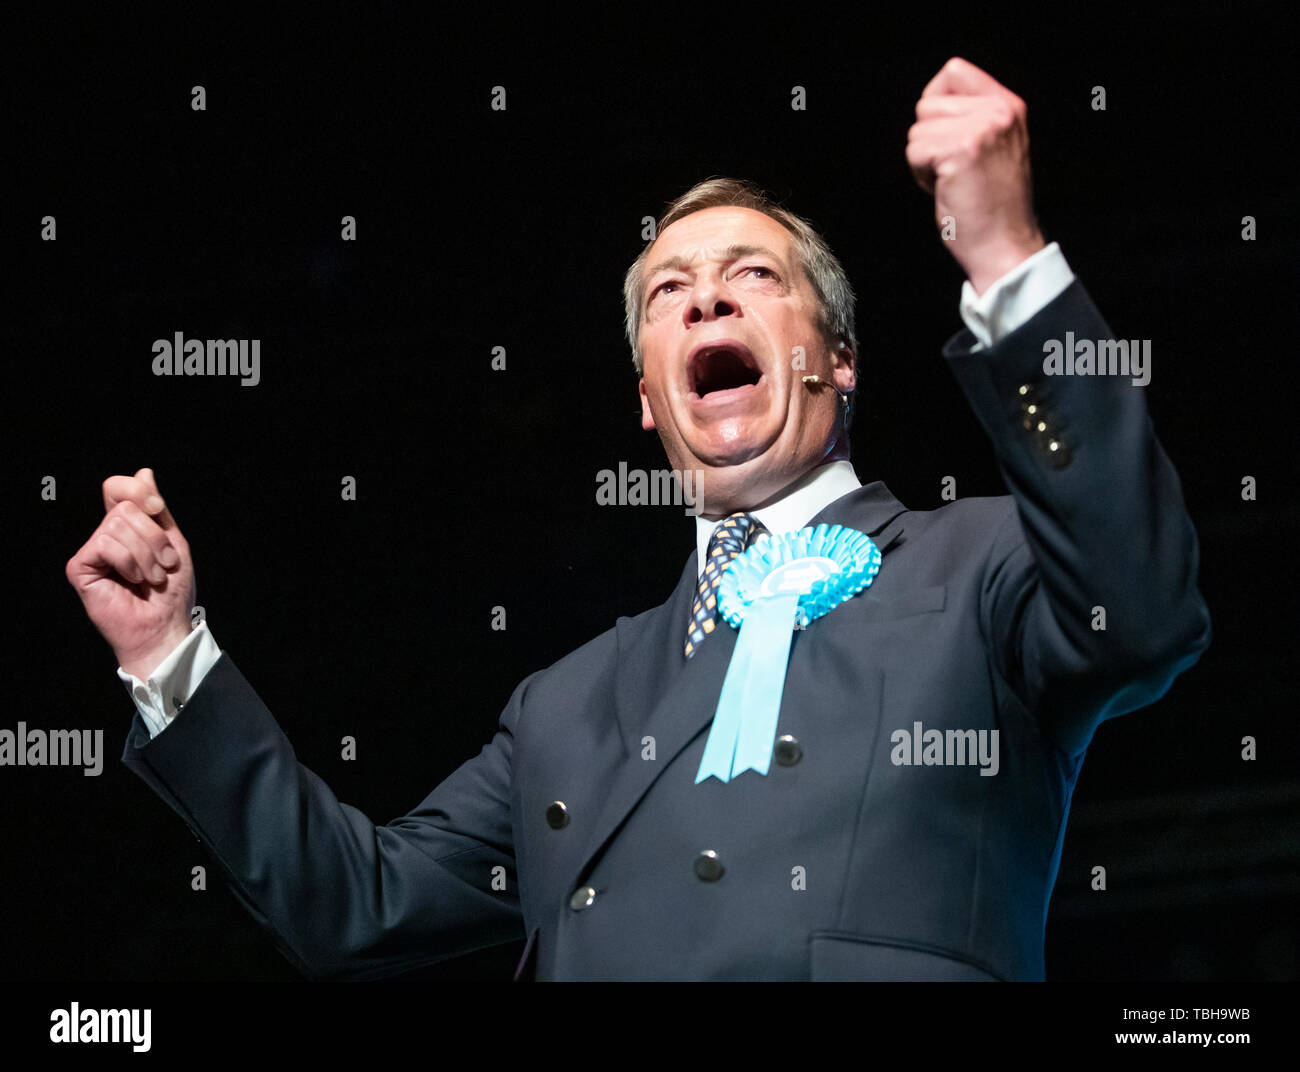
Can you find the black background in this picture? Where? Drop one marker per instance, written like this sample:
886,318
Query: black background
476,488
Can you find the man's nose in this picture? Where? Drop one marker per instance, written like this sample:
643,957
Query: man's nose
710,300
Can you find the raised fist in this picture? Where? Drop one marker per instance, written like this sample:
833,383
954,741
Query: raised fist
134,575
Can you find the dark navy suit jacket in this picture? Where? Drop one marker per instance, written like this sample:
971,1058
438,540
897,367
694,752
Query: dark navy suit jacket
842,865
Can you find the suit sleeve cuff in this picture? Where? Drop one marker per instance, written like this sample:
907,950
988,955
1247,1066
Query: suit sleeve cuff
173,682
1015,298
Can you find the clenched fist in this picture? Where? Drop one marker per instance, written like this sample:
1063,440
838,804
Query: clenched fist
969,147
134,575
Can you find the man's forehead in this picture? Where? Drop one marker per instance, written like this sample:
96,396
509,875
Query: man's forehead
718,233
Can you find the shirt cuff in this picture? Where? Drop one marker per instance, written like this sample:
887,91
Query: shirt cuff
174,679
1015,298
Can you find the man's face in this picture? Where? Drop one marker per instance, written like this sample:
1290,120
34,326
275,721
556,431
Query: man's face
727,307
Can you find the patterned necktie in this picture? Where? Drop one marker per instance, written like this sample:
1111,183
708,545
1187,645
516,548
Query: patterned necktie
733,534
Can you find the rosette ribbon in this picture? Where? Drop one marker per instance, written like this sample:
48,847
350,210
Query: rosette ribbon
781,583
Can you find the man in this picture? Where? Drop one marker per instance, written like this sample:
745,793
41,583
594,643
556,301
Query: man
863,852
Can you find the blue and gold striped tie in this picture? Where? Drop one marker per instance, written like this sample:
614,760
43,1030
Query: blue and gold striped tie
733,534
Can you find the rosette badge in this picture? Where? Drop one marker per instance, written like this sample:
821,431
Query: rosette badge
781,583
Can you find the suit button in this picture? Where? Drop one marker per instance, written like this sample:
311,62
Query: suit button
1058,453
582,898
557,815
788,751
708,867
1026,392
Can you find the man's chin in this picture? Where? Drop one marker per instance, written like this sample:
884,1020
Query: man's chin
732,458
728,444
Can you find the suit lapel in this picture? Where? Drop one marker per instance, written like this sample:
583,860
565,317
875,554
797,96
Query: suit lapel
660,693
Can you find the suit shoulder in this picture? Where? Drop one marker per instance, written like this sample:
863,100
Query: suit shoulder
967,518
582,661
964,535
598,654
598,657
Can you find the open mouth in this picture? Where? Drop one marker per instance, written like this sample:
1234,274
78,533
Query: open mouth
722,367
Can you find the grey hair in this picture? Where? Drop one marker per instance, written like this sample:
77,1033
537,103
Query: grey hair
821,267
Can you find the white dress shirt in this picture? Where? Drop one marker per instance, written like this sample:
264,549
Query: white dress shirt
802,501
990,317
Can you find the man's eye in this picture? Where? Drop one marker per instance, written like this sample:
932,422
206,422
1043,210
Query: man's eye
662,288
759,268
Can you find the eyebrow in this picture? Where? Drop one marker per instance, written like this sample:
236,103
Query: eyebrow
731,253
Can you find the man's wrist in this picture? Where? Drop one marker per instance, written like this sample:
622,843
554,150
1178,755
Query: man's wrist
1015,298
992,262
143,664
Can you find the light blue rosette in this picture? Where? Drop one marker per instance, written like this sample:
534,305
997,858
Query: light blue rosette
781,583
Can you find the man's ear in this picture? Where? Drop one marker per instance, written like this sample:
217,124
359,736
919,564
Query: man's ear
844,363
647,418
